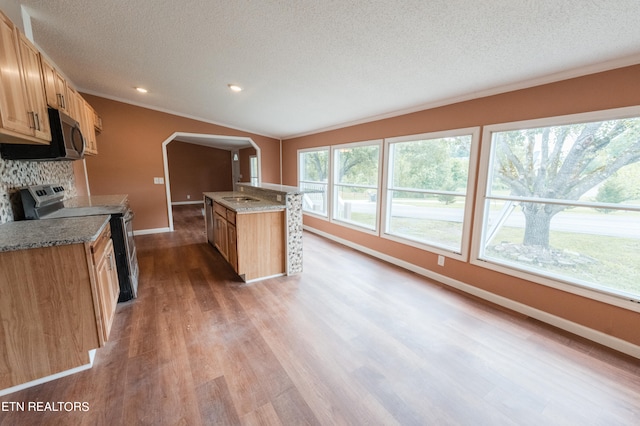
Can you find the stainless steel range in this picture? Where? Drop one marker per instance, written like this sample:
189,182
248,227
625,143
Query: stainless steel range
46,202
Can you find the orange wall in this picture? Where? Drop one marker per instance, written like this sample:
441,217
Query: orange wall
194,169
612,89
130,156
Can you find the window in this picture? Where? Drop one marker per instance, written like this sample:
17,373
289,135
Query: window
428,192
313,167
560,202
355,184
253,169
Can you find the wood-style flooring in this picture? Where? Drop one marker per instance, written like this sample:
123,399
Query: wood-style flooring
350,341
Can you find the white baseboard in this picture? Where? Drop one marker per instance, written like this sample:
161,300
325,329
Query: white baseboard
151,231
182,203
92,355
561,323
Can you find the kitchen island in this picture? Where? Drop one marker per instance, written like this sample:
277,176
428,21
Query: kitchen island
257,229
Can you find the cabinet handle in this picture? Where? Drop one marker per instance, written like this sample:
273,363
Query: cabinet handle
33,120
61,102
37,121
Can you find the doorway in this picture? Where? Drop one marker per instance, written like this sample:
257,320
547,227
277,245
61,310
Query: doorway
238,150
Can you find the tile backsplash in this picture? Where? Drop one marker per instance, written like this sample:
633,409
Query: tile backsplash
15,174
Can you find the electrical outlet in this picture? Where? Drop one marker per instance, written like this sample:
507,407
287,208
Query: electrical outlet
279,197
158,180
440,260
242,189
188,197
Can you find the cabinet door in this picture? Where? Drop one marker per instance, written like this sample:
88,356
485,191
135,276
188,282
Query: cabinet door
35,88
49,74
55,87
232,247
14,105
88,129
108,288
220,227
76,110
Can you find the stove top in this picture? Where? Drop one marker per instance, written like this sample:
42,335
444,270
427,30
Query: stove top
47,202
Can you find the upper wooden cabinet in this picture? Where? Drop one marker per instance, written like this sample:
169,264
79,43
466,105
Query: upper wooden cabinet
97,122
88,128
55,87
23,109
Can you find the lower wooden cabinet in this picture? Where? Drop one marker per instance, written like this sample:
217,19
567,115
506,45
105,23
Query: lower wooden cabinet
252,242
106,285
220,235
56,304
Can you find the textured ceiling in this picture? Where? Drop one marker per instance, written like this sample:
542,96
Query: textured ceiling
313,65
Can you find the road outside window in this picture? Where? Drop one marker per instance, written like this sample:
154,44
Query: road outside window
313,166
427,189
356,182
563,201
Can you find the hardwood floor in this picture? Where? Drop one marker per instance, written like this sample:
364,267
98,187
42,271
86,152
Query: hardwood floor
350,341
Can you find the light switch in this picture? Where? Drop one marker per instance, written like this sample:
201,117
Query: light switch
158,180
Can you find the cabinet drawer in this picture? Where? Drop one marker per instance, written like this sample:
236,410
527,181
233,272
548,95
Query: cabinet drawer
221,210
100,245
231,216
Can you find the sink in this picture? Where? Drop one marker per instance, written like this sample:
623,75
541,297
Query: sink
240,199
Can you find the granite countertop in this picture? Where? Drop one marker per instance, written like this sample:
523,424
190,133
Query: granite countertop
28,234
274,187
96,201
244,206
91,206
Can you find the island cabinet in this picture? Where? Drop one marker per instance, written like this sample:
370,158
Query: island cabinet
56,305
253,242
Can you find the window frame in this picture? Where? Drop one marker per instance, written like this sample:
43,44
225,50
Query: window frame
465,244
479,218
328,183
349,224
254,180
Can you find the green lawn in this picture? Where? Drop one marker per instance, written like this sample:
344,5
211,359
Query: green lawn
617,260
616,264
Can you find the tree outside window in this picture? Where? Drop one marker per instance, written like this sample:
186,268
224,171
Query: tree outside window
563,201
427,188
356,169
313,166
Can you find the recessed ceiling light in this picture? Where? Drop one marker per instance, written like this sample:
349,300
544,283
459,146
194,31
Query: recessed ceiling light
141,89
234,88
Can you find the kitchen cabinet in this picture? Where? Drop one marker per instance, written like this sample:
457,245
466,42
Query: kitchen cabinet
75,104
55,87
220,230
253,242
97,122
57,303
23,108
88,127
107,287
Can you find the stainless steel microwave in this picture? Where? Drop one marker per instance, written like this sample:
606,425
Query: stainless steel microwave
67,142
